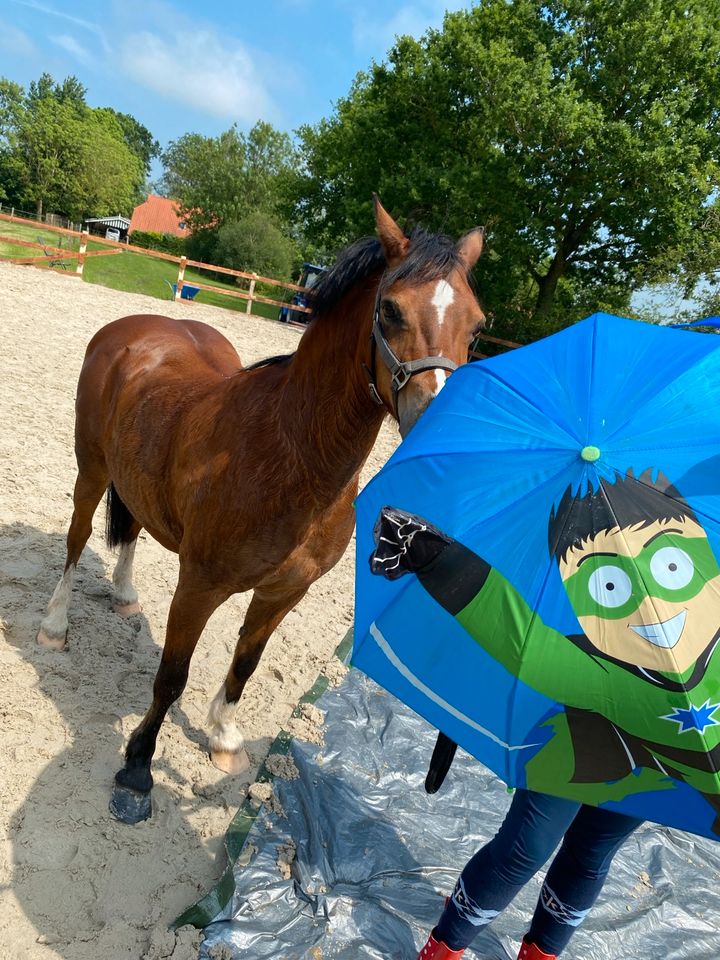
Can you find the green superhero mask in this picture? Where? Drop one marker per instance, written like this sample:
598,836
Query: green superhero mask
672,568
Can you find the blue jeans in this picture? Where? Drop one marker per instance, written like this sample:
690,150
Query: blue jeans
532,829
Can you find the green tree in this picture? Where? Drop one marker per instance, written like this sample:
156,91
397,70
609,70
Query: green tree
688,276
11,168
256,243
137,137
106,173
218,180
56,152
584,134
48,140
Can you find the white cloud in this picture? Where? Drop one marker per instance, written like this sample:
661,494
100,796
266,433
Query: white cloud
15,41
196,68
72,46
78,21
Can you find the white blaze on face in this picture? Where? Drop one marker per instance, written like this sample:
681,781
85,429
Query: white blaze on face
440,378
442,299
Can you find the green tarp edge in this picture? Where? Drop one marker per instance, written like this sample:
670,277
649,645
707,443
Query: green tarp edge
206,909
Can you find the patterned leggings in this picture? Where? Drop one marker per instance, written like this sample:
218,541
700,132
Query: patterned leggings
532,829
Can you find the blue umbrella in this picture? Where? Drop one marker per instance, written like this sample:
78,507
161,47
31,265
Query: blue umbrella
713,322
537,568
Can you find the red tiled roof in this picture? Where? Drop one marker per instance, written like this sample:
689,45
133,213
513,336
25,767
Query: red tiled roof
159,215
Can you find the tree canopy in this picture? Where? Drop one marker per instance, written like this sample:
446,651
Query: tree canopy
58,153
232,192
222,179
583,134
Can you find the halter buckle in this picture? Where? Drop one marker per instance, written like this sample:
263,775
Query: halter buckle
400,377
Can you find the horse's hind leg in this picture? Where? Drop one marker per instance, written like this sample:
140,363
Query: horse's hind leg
267,608
122,529
125,597
88,492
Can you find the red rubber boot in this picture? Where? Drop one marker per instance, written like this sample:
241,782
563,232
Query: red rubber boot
435,950
528,951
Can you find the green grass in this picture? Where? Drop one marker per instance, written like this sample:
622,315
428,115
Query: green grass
34,235
133,272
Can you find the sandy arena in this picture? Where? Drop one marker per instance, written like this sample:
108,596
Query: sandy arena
74,883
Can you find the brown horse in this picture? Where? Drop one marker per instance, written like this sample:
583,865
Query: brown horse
249,474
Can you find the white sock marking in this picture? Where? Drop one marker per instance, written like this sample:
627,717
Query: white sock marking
55,623
224,732
125,592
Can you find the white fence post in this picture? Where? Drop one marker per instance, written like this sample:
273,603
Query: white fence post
251,291
181,278
83,251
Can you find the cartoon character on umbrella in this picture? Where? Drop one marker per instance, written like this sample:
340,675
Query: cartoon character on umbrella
645,586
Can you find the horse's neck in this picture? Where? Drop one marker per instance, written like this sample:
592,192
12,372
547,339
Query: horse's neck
328,407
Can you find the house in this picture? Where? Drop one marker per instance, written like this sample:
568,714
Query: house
158,215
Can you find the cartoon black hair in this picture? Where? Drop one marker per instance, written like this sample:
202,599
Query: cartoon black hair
628,502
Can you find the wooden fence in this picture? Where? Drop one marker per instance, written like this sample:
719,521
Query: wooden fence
54,256
477,354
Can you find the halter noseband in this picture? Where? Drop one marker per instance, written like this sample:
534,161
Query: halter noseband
401,372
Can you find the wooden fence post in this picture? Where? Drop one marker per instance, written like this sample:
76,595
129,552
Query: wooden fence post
251,292
181,277
83,251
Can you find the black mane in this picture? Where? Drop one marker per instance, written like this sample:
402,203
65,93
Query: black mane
270,361
431,256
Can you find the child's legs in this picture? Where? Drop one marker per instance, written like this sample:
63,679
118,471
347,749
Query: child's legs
577,874
532,829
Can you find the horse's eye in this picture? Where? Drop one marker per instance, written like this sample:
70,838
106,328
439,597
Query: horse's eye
390,313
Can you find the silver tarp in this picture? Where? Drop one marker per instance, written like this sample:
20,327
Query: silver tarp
376,856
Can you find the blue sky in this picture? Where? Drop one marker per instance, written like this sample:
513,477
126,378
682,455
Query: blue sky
179,66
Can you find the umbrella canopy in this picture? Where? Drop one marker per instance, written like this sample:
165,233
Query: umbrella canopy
544,585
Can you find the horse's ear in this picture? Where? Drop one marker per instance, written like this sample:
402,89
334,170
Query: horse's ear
394,242
471,246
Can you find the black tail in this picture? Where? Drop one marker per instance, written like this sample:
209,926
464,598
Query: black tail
118,519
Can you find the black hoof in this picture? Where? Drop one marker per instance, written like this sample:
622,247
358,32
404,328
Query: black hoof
130,806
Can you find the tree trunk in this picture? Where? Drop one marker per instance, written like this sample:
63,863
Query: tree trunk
38,206
575,234
547,285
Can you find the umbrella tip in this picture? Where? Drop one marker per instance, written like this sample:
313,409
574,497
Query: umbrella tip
591,454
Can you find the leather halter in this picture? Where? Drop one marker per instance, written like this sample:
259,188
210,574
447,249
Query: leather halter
401,371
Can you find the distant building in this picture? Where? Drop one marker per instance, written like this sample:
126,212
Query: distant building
158,215
118,226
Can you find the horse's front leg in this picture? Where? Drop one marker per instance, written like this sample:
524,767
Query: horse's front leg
270,603
191,607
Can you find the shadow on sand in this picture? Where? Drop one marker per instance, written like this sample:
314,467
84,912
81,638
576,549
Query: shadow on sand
91,886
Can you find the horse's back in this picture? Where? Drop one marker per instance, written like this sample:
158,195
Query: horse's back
148,341
141,376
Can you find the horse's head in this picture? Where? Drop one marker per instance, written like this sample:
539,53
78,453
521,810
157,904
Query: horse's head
426,315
